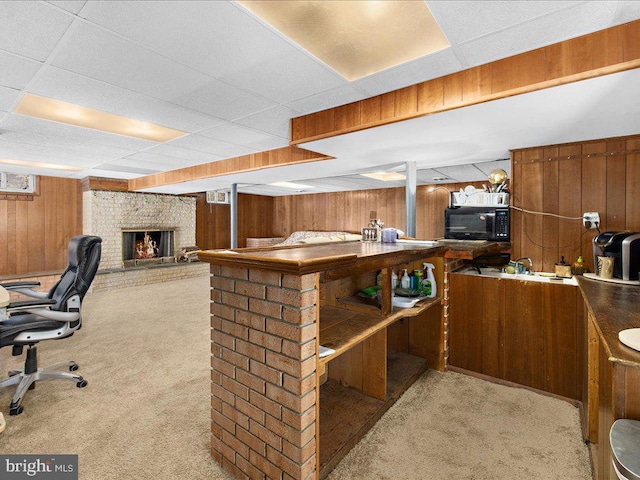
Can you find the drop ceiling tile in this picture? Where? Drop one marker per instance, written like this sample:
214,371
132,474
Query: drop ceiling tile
270,143
90,51
627,11
99,172
16,71
426,175
190,157
117,167
39,153
223,101
74,88
7,98
275,121
212,37
154,160
486,167
203,144
327,99
462,173
232,133
462,21
31,29
424,68
290,75
59,142
585,17
73,6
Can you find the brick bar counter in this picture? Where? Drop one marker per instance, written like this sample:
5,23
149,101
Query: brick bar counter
271,308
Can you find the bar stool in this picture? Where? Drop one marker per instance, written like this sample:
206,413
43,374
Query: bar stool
624,438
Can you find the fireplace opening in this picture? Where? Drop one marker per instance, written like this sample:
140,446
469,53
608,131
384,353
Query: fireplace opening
146,246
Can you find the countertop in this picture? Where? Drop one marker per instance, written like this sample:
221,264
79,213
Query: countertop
470,249
614,307
321,257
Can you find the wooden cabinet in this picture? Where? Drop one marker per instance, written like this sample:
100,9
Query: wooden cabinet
526,332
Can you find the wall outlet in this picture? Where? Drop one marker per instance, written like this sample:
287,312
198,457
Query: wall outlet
591,219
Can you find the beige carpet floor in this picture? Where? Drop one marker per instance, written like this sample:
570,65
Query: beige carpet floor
145,413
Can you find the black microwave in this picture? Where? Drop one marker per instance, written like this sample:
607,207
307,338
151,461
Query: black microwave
477,223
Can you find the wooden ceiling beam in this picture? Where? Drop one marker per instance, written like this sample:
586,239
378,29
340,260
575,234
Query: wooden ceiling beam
600,53
245,163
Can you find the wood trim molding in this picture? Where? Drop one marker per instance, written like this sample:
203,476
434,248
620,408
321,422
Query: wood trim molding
246,163
608,51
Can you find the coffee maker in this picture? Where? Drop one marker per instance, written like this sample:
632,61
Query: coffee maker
624,247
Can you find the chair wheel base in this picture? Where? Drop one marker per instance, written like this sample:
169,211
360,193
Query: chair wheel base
74,367
81,384
16,410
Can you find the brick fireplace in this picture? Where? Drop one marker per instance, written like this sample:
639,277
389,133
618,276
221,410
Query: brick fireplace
111,215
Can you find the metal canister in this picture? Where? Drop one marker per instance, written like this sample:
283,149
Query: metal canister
417,279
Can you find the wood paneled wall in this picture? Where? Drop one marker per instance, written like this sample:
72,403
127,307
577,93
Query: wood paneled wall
34,233
350,211
570,179
213,221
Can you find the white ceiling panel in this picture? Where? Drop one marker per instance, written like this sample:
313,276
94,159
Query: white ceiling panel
98,172
328,99
43,154
288,76
223,101
270,143
627,11
486,167
237,134
427,175
152,160
422,69
213,37
274,120
120,166
465,20
203,144
91,51
59,142
189,156
16,71
73,6
462,173
78,89
31,29
585,17
7,98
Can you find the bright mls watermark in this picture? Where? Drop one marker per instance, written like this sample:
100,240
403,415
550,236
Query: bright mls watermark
50,467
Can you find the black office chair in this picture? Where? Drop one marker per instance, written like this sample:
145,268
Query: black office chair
52,315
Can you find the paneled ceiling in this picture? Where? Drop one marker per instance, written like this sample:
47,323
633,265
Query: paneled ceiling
232,82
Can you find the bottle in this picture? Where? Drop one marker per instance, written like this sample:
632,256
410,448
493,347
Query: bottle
394,280
579,267
405,281
429,287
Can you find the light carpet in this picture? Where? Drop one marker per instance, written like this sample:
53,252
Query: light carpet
146,411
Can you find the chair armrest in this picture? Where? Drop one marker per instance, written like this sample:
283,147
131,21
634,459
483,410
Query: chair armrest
14,285
28,304
41,308
25,288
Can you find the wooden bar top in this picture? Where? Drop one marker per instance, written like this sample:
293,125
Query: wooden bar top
470,249
303,259
614,307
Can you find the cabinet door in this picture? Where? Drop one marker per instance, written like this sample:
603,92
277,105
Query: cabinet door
524,333
475,323
562,353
